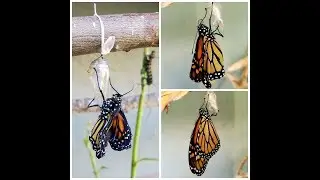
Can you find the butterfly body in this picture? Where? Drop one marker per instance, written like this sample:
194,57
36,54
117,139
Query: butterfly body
111,106
111,127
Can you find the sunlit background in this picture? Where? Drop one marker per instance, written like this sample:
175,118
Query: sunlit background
178,32
124,72
232,127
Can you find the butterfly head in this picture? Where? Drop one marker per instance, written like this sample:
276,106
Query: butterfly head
203,29
203,112
117,97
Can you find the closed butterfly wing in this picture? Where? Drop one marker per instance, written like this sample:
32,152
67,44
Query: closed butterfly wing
196,71
99,137
213,57
120,133
104,136
204,143
197,163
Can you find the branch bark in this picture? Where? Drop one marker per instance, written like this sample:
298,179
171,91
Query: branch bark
133,30
128,103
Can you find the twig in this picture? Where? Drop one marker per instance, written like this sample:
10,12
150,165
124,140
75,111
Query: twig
91,154
133,30
134,160
241,82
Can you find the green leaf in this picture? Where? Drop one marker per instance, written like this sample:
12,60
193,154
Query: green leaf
148,159
103,167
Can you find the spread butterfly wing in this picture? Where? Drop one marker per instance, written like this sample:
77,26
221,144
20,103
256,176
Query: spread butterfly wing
120,132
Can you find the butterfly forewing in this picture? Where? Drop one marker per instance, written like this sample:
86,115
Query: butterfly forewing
121,133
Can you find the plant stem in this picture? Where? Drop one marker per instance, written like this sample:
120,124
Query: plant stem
92,155
93,164
134,160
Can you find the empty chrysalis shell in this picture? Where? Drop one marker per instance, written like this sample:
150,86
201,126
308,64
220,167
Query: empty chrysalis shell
212,105
108,45
216,19
100,77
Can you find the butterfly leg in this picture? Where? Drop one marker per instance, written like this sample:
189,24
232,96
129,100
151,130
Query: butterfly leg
89,105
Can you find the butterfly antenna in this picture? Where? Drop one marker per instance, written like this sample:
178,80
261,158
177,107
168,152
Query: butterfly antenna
128,91
217,29
99,84
112,86
204,100
205,15
201,20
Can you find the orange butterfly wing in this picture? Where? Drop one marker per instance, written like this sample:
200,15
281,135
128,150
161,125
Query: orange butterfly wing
196,72
121,132
204,143
213,59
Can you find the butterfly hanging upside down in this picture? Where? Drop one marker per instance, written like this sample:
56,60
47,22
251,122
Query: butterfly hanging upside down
111,126
207,62
204,142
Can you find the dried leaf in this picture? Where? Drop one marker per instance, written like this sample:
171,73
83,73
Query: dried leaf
238,65
165,4
168,96
240,173
236,82
244,74
231,77
241,84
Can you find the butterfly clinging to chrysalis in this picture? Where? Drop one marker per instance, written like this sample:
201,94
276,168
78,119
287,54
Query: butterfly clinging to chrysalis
207,62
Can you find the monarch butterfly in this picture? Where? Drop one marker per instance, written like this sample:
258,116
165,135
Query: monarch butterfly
204,142
111,126
148,68
208,57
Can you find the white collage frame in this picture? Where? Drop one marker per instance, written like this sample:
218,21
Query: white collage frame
247,90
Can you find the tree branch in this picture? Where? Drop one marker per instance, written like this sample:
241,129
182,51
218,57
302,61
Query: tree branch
128,103
133,30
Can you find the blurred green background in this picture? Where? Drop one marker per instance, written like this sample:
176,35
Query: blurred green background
231,124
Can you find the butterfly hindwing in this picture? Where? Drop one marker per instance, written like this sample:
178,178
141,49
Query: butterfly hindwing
120,132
